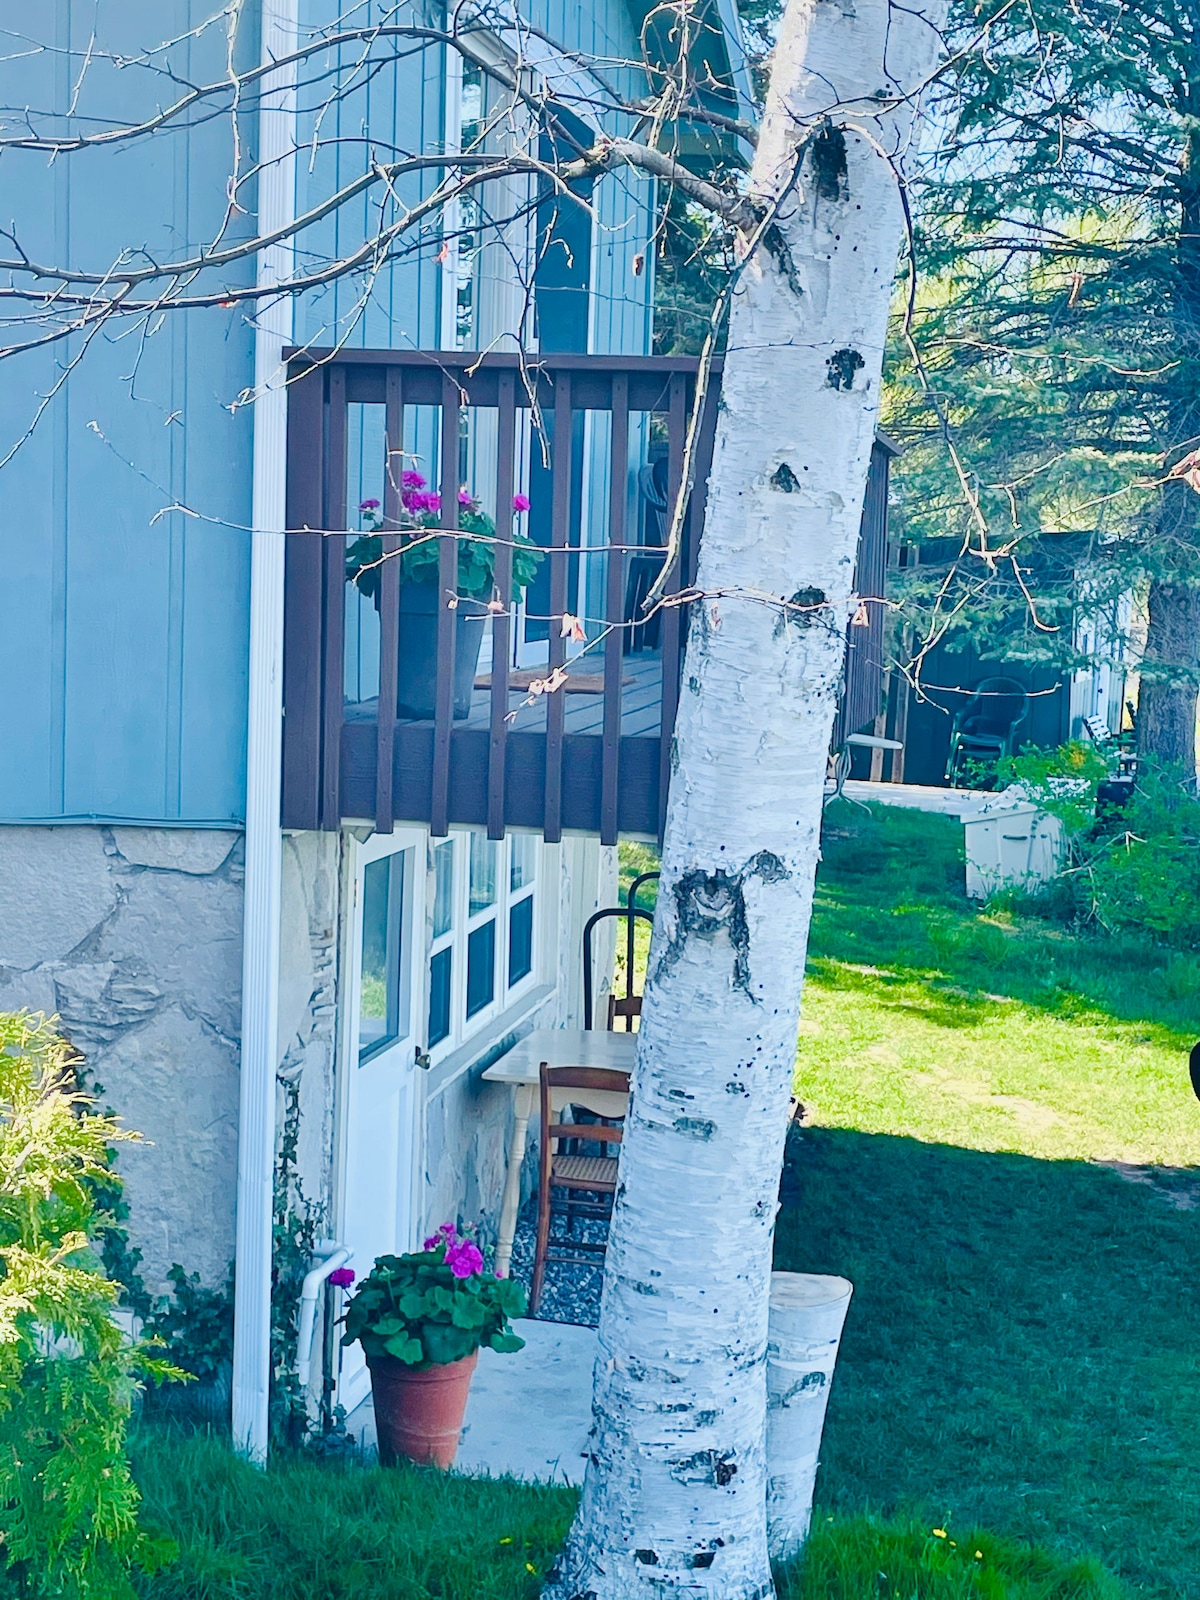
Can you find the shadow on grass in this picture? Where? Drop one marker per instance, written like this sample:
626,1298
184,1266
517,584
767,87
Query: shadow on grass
1021,1350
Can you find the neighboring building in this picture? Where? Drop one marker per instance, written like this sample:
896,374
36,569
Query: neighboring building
1058,698
418,901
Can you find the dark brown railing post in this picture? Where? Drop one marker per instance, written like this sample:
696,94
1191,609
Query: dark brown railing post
303,610
670,634
614,643
389,605
560,539
334,631
447,613
506,449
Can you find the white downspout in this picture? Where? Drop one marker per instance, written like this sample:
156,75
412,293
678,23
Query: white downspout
260,927
328,1256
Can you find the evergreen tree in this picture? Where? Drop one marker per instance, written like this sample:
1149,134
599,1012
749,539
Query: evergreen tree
1056,323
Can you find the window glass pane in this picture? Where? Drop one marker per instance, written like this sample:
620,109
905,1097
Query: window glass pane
443,894
524,861
439,995
520,940
481,967
381,992
484,857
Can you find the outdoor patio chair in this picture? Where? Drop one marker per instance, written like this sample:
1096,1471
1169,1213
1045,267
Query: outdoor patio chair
984,730
578,1184
629,1005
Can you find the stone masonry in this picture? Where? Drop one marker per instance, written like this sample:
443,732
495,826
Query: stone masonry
133,936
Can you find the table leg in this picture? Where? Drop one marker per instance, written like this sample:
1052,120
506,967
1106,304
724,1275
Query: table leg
522,1109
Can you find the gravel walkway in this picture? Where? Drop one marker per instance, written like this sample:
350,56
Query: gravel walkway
571,1293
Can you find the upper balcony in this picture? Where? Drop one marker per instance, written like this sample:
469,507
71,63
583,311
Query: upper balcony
418,702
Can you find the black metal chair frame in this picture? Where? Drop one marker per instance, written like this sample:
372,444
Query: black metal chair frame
630,911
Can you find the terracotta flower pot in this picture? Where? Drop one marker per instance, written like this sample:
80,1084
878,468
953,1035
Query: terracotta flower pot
419,1412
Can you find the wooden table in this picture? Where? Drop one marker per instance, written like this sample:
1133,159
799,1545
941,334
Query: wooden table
520,1070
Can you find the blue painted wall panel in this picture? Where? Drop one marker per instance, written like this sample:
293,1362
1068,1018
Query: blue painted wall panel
123,625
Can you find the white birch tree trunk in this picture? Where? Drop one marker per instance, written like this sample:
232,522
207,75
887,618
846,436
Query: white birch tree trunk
674,1495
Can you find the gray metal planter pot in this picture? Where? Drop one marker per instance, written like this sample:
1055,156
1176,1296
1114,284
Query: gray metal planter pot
416,685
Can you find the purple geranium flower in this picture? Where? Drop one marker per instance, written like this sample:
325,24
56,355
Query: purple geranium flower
465,498
464,1258
368,505
412,480
342,1277
520,502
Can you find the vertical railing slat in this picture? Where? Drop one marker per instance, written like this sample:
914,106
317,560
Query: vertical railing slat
506,447
447,613
560,539
670,633
389,605
614,642
334,631
303,602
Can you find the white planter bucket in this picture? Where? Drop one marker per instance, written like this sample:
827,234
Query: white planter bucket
806,1319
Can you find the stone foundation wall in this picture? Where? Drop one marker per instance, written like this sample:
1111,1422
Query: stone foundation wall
134,937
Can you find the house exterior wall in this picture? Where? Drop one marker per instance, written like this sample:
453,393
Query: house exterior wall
123,622
133,937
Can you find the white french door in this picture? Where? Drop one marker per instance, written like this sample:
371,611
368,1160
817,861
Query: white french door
380,1145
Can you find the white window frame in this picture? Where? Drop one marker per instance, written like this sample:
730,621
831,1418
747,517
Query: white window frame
463,924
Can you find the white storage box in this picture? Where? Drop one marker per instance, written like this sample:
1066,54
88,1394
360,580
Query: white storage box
1011,843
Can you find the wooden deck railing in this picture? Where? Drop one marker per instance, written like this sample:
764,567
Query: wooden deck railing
338,767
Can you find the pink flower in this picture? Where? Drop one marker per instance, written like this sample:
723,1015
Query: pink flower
433,501
465,497
520,502
445,1235
342,1277
368,505
464,1258
412,480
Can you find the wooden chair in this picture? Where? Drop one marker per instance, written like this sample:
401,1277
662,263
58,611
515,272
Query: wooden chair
606,1093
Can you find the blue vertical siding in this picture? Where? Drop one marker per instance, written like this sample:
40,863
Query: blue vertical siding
123,625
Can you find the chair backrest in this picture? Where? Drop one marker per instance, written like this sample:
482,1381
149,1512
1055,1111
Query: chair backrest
618,1006
995,707
599,1089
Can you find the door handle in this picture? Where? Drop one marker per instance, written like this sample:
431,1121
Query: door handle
421,1058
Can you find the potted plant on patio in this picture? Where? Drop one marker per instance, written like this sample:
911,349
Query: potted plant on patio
421,1319
420,596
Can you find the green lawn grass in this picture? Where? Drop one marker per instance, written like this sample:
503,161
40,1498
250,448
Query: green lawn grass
306,1530
998,1157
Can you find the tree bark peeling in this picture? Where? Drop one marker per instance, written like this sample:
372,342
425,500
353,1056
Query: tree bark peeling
674,1493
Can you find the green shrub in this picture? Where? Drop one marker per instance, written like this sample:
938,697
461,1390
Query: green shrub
1137,872
68,1375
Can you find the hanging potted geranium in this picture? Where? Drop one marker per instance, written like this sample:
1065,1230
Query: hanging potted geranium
421,1319
420,596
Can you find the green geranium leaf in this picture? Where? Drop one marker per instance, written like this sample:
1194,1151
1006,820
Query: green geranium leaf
405,1348
506,1343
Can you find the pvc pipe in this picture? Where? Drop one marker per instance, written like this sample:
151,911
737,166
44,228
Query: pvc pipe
329,1256
804,1328
261,905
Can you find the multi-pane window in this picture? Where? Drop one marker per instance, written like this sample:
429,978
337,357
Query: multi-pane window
522,879
483,950
382,993
441,957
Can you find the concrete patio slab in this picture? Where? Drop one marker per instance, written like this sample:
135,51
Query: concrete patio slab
529,1414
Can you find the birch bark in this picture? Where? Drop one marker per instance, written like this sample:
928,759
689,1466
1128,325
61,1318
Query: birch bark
674,1495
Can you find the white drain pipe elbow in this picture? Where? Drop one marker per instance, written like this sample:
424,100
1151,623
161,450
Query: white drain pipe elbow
329,1256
